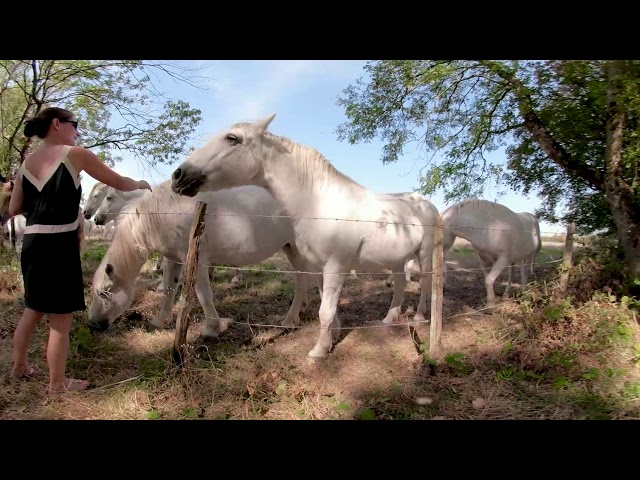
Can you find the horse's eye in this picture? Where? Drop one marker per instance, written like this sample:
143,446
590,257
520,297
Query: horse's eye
232,139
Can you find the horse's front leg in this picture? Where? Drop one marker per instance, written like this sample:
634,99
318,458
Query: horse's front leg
171,274
329,323
213,324
490,279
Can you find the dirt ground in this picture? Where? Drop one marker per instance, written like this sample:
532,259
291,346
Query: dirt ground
373,372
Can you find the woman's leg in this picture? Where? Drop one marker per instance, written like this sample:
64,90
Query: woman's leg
57,353
21,339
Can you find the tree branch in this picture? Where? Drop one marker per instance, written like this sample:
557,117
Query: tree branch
534,125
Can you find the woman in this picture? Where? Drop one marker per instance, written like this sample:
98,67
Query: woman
47,191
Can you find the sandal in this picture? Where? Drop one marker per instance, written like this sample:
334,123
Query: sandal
70,385
28,372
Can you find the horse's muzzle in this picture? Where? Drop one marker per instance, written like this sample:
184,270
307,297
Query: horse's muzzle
186,183
99,325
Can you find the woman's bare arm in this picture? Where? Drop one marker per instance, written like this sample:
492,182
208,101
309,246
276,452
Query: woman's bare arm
88,161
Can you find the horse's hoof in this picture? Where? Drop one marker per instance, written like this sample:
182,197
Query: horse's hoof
290,322
318,354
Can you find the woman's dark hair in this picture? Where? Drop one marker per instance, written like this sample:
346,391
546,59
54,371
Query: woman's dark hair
39,125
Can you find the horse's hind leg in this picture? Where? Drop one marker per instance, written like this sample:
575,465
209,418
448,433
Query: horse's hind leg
298,264
425,260
213,324
399,284
300,298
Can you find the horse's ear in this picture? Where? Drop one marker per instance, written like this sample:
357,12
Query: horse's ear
261,125
109,270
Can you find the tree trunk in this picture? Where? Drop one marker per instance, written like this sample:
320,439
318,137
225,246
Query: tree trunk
618,193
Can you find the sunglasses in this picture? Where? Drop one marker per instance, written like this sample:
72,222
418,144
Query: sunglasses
72,122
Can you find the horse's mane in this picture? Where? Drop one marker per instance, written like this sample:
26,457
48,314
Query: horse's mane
312,165
141,216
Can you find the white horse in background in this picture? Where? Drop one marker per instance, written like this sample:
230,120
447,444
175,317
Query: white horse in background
243,234
94,199
381,230
499,236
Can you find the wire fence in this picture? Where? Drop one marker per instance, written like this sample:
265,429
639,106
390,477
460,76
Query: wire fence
439,267
407,313
380,221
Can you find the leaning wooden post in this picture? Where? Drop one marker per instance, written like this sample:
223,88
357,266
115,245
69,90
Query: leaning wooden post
437,291
567,260
184,304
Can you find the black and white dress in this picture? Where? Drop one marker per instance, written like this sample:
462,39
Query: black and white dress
50,258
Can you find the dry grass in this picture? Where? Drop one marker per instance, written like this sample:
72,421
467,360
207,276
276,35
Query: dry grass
499,366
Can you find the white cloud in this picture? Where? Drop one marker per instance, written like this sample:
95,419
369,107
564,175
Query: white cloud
247,96
244,91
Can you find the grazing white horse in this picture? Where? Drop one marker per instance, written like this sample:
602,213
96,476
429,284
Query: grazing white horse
381,230
499,236
242,234
113,203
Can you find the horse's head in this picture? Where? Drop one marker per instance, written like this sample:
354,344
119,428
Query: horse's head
111,294
229,159
110,207
95,198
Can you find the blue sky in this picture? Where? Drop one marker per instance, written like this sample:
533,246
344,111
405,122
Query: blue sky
302,94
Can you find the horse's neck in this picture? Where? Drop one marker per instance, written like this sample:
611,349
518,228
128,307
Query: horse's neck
302,191
130,257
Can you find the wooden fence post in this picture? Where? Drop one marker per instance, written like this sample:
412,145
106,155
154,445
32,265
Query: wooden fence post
567,260
437,290
190,267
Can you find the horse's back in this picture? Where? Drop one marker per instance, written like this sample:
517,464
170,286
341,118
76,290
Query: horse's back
490,227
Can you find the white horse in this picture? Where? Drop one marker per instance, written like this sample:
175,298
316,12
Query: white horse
499,236
96,198
381,230
113,203
234,237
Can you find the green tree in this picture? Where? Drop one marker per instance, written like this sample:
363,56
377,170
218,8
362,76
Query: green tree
116,102
569,129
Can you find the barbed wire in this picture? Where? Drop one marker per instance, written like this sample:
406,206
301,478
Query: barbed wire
355,327
383,221
273,270
292,271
